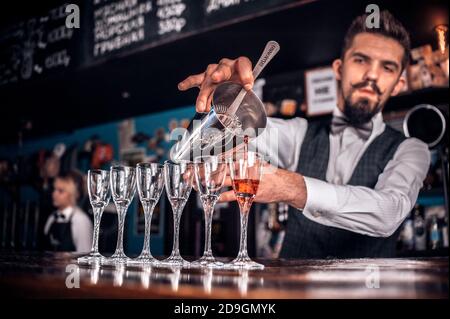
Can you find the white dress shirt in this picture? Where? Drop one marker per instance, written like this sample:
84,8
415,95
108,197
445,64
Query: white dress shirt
81,227
374,212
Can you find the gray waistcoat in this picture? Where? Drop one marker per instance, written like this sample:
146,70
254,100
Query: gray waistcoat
308,239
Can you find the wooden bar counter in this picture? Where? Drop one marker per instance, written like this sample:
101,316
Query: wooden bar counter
50,275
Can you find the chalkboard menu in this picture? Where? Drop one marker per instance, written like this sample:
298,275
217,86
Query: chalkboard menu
112,28
40,45
216,11
124,25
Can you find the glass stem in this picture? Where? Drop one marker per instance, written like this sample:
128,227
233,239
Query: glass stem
148,212
121,216
243,240
208,207
176,230
98,211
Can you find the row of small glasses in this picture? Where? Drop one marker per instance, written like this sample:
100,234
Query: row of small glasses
207,174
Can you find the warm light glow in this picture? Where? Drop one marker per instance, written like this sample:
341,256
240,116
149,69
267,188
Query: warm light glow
441,31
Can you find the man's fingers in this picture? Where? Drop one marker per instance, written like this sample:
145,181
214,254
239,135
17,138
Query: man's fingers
206,89
209,102
223,71
243,68
191,81
227,196
203,97
239,70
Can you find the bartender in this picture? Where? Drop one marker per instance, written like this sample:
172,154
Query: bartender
68,228
350,182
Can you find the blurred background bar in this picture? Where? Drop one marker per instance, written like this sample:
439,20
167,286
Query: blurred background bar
72,99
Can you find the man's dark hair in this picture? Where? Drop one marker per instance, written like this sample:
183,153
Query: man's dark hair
389,27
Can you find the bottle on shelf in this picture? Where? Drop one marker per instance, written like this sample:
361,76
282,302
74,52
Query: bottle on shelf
444,231
407,235
434,233
420,238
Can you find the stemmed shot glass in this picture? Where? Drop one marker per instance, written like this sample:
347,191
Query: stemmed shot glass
210,172
178,177
245,172
150,184
123,187
99,195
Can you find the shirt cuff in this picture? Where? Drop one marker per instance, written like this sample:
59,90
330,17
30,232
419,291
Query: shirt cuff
321,197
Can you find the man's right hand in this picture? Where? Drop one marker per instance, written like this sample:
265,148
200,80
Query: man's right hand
238,70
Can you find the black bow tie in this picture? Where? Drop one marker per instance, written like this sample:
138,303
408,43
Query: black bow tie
58,216
338,124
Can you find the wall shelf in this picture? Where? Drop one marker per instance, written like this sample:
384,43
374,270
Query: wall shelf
407,100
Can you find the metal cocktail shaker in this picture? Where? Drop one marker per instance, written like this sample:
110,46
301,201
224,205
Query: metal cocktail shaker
219,131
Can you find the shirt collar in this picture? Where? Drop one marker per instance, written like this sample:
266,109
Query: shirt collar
67,212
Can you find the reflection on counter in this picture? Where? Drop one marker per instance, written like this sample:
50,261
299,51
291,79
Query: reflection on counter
56,275
153,277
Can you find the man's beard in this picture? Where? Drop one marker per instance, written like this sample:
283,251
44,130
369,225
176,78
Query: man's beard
360,112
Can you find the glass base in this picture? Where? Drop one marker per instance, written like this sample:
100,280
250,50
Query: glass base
116,258
243,263
207,262
143,260
89,259
174,260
